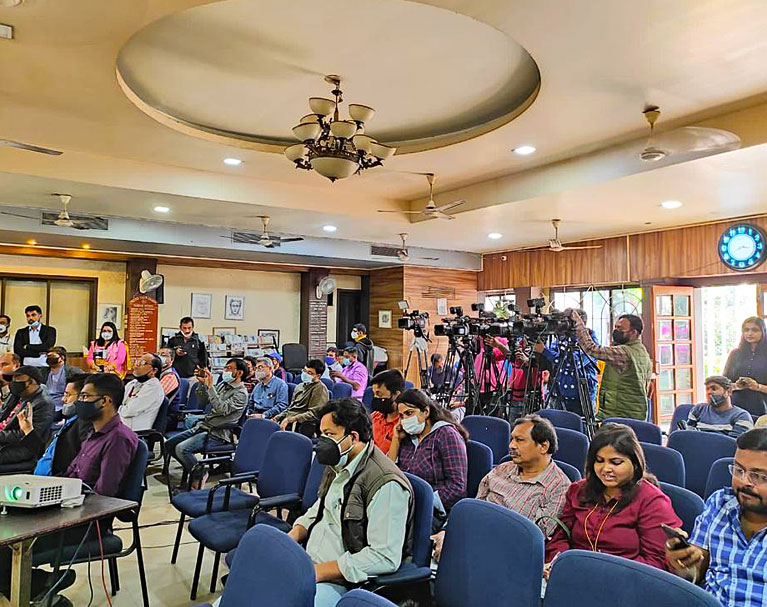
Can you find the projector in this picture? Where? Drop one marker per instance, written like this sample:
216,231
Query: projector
30,491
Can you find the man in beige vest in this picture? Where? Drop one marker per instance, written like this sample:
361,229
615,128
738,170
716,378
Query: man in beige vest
628,367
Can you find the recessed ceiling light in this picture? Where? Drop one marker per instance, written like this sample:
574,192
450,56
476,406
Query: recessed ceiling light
31,242
86,246
162,209
329,228
671,204
524,150
494,235
233,162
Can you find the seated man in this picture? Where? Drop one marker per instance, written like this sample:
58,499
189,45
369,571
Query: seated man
387,386
270,394
354,372
9,362
227,402
347,550
56,375
143,395
718,414
531,484
728,551
26,391
310,396
278,371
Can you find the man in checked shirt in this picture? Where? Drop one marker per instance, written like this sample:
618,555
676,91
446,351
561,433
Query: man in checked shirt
531,484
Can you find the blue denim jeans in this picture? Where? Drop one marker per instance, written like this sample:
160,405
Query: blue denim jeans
184,446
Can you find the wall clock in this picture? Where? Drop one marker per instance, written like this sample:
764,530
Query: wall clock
741,247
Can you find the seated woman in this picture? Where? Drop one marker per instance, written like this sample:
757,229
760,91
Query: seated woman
427,443
618,508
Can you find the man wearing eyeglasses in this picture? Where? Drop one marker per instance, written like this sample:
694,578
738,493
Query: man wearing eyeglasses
728,546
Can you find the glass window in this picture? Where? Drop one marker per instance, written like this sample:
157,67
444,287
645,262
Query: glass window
663,305
666,379
684,398
684,379
665,354
667,405
681,305
682,329
665,330
683,354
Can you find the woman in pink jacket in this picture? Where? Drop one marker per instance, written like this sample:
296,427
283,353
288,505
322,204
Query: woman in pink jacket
108,353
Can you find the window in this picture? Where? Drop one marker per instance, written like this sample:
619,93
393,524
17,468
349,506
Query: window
491,301
603,306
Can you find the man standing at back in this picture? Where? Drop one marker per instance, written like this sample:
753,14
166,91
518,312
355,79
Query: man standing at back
32,342
189,349
364,346
6,345
628,368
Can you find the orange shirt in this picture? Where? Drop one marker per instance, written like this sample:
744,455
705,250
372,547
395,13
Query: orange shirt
383,431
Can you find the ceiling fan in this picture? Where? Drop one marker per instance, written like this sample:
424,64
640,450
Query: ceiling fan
555,244
63,219
685,140
432,211
404,255
29,147
269,241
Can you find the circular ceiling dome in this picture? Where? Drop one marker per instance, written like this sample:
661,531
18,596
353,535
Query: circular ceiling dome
241,72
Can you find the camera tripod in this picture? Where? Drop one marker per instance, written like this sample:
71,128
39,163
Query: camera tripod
419,345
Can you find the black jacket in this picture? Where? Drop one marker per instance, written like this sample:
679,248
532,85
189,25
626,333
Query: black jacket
12,451
68,445
365,353
23,348
196,354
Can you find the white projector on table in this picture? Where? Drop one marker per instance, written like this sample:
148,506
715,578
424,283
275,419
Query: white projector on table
30,491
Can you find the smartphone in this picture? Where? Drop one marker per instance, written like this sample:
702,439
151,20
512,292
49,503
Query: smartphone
673,534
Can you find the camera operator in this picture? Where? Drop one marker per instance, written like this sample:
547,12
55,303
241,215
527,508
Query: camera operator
628,367
488,374
520,375
566,389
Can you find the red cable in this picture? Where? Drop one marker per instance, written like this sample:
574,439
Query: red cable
103,577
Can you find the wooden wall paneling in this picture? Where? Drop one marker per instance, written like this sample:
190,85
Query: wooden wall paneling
386,289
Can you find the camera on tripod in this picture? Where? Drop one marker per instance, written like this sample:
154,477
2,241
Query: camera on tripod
410,321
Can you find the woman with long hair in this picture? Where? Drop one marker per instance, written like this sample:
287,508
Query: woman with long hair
428,443
747,368
108,353
618,508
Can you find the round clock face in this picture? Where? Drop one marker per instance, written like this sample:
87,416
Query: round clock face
741,247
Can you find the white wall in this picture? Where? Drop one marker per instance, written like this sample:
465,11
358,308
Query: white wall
272,299
343,281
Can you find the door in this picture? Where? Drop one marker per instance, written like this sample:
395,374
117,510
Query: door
348,314
673,335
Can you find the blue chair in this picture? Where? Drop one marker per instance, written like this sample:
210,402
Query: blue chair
290,378
491,556
280,484
572,583
409,385
646,432
183,392
681,413
291,391
687,505
248,459
573,446
666,464
571,472
480,463
363,598
367,399
563,419
341,390
329,383
700,450
719,476
491,431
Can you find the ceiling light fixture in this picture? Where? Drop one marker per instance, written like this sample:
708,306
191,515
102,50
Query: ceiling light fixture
31,242
336,148
671,204
524,150
232,162
329,228
494,235
162,210
86,246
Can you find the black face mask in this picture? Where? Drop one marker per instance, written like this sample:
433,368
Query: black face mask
328,451
619,337
717,400
7,377
142,378
18,387
383,405
52,360
87,410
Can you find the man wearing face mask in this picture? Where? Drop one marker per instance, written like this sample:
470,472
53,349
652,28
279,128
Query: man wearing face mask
310,396
270,394
26,392
56,375
5,334
169,378
354,372
387,386
362,522
718,414
189,349
9,362
364,347
628,368
32,342
143,395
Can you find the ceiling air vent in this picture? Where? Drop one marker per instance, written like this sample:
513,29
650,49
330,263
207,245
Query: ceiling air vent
383,251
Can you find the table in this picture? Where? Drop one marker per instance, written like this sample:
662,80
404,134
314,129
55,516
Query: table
21,527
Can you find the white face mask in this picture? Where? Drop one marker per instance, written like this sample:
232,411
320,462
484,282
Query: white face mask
3,329
107,335
355,334
412,426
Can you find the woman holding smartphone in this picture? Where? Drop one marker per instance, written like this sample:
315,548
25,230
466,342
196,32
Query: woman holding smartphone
747,368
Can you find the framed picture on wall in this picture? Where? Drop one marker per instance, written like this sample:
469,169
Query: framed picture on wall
110,313
201,305
165,334
273,333
221,331
384,319
234,307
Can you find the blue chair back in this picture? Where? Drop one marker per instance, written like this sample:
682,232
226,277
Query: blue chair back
161,421
424,510
646,432
329,383
132,486
251,448
290,378
341,390
291,390
491,556
480,462
570,471
363,598
632,584
700,450
191,402
687,505
666,464
284,575
573,446
681,413
183,391
563,419
491,431
719,476
286,464
312,487
367,399
409,385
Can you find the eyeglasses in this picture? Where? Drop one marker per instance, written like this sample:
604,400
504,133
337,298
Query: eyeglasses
755,478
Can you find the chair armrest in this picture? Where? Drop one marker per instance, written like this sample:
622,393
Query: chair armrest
149,434
276,501
247,477
192,411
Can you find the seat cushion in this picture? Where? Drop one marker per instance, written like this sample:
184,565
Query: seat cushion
112,545
194,503
220,531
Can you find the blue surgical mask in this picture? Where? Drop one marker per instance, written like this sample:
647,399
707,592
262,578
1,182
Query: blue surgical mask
412,425
306,378
347,362
35,324
227,376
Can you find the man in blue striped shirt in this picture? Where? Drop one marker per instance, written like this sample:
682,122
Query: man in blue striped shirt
729,542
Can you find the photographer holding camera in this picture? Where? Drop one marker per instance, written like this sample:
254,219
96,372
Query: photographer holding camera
521,376
628,367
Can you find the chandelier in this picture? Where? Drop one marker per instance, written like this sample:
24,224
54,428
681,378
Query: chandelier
336,148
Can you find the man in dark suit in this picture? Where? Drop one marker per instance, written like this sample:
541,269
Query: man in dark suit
31,343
